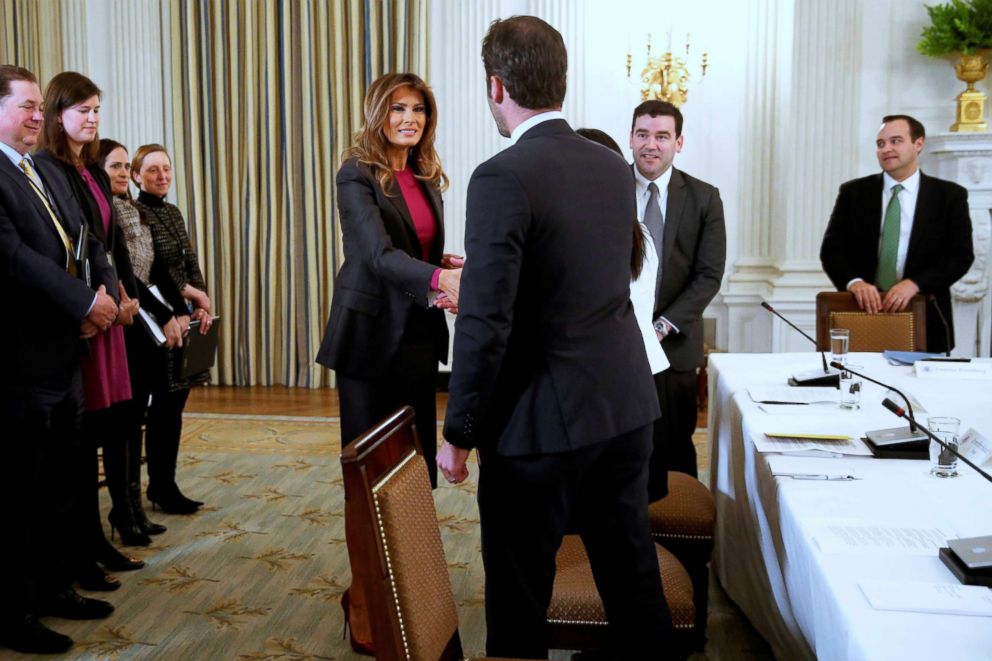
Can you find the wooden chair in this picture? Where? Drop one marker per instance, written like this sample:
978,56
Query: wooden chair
396,548
577,618
900,331
684,522
396,545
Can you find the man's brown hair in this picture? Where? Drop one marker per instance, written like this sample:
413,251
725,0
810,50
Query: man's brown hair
8,74
529,56
916,130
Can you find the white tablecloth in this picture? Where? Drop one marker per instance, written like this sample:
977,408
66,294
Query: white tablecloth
807,603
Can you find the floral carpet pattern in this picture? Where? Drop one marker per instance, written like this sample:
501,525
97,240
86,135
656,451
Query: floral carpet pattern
258,573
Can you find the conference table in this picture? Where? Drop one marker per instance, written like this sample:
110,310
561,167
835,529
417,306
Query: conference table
777,551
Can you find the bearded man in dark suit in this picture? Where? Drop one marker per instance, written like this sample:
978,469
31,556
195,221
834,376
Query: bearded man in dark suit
900,233
50,308
550,378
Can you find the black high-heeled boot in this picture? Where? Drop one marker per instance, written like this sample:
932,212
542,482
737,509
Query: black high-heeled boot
147,526
135,439
171,500
115,465
162,435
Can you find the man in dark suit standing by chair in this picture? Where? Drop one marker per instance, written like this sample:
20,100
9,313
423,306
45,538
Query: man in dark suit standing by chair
550,379
49,308
685,218
900,233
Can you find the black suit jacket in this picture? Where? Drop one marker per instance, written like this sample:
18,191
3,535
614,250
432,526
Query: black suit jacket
548,357
695,253
39,340
940,246
383,278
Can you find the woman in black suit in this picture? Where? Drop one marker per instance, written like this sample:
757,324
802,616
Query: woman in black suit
386,332
69,142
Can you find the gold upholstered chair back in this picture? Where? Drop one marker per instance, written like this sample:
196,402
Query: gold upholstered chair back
397,543
898,331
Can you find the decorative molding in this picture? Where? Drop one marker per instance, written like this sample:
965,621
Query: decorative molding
965,158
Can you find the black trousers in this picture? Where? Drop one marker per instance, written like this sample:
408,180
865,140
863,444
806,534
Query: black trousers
525,504
411,380
673,448
43,431
163,431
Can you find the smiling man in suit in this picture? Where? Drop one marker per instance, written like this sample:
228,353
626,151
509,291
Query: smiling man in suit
50,308
550,379
900,233
685,218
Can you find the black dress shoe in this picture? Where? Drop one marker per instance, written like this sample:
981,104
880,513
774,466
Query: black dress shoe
72,606
30,636
91,577
114,560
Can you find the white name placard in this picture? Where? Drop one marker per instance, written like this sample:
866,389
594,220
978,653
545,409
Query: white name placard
976,447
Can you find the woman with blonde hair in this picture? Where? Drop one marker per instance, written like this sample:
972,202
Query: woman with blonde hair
386,331
175,269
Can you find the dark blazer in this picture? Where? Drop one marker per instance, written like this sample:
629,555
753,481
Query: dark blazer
383,278
940,247
548,357
693,260
39,344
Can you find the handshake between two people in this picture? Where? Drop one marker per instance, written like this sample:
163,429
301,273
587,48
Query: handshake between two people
449,282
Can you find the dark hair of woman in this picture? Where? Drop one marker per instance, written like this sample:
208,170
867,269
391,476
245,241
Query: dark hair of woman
637,251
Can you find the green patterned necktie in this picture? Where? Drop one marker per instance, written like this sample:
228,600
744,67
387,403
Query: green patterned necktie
886,275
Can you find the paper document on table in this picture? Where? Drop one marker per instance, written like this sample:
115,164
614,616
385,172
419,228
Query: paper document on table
918,597
975,447
803,444
790,395
867,538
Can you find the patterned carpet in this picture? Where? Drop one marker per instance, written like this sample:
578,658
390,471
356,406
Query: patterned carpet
258,573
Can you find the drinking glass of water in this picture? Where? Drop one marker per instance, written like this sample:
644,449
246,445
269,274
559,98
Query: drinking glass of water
943,463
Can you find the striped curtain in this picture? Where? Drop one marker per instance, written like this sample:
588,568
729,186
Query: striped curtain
30,36
266,96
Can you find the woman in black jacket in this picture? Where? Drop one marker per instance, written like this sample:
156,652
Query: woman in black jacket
386,334
72,118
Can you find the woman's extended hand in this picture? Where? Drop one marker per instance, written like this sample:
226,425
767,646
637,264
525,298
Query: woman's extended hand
449,282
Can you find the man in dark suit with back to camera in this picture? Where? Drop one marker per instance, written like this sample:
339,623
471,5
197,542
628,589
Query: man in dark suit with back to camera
49,308
550,378
900,233
685,218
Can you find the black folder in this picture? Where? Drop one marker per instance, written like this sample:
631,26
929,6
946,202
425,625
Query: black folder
199,351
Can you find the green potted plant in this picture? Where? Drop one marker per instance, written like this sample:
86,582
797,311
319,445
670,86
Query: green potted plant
964,28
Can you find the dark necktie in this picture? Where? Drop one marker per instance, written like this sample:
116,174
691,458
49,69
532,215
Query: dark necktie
654,221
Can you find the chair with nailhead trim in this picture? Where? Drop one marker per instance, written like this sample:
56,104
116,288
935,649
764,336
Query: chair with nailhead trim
397,544
684,522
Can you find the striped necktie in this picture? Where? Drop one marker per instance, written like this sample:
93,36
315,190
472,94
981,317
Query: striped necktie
886,276
70,263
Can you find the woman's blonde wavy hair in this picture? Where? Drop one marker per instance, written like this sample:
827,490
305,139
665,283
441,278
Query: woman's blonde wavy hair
371,144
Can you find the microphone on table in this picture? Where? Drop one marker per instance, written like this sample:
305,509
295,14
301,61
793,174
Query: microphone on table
913,426
931,299
812,377
899,411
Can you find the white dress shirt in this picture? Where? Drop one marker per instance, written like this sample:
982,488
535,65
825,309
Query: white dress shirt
531,122
907,208
642,297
